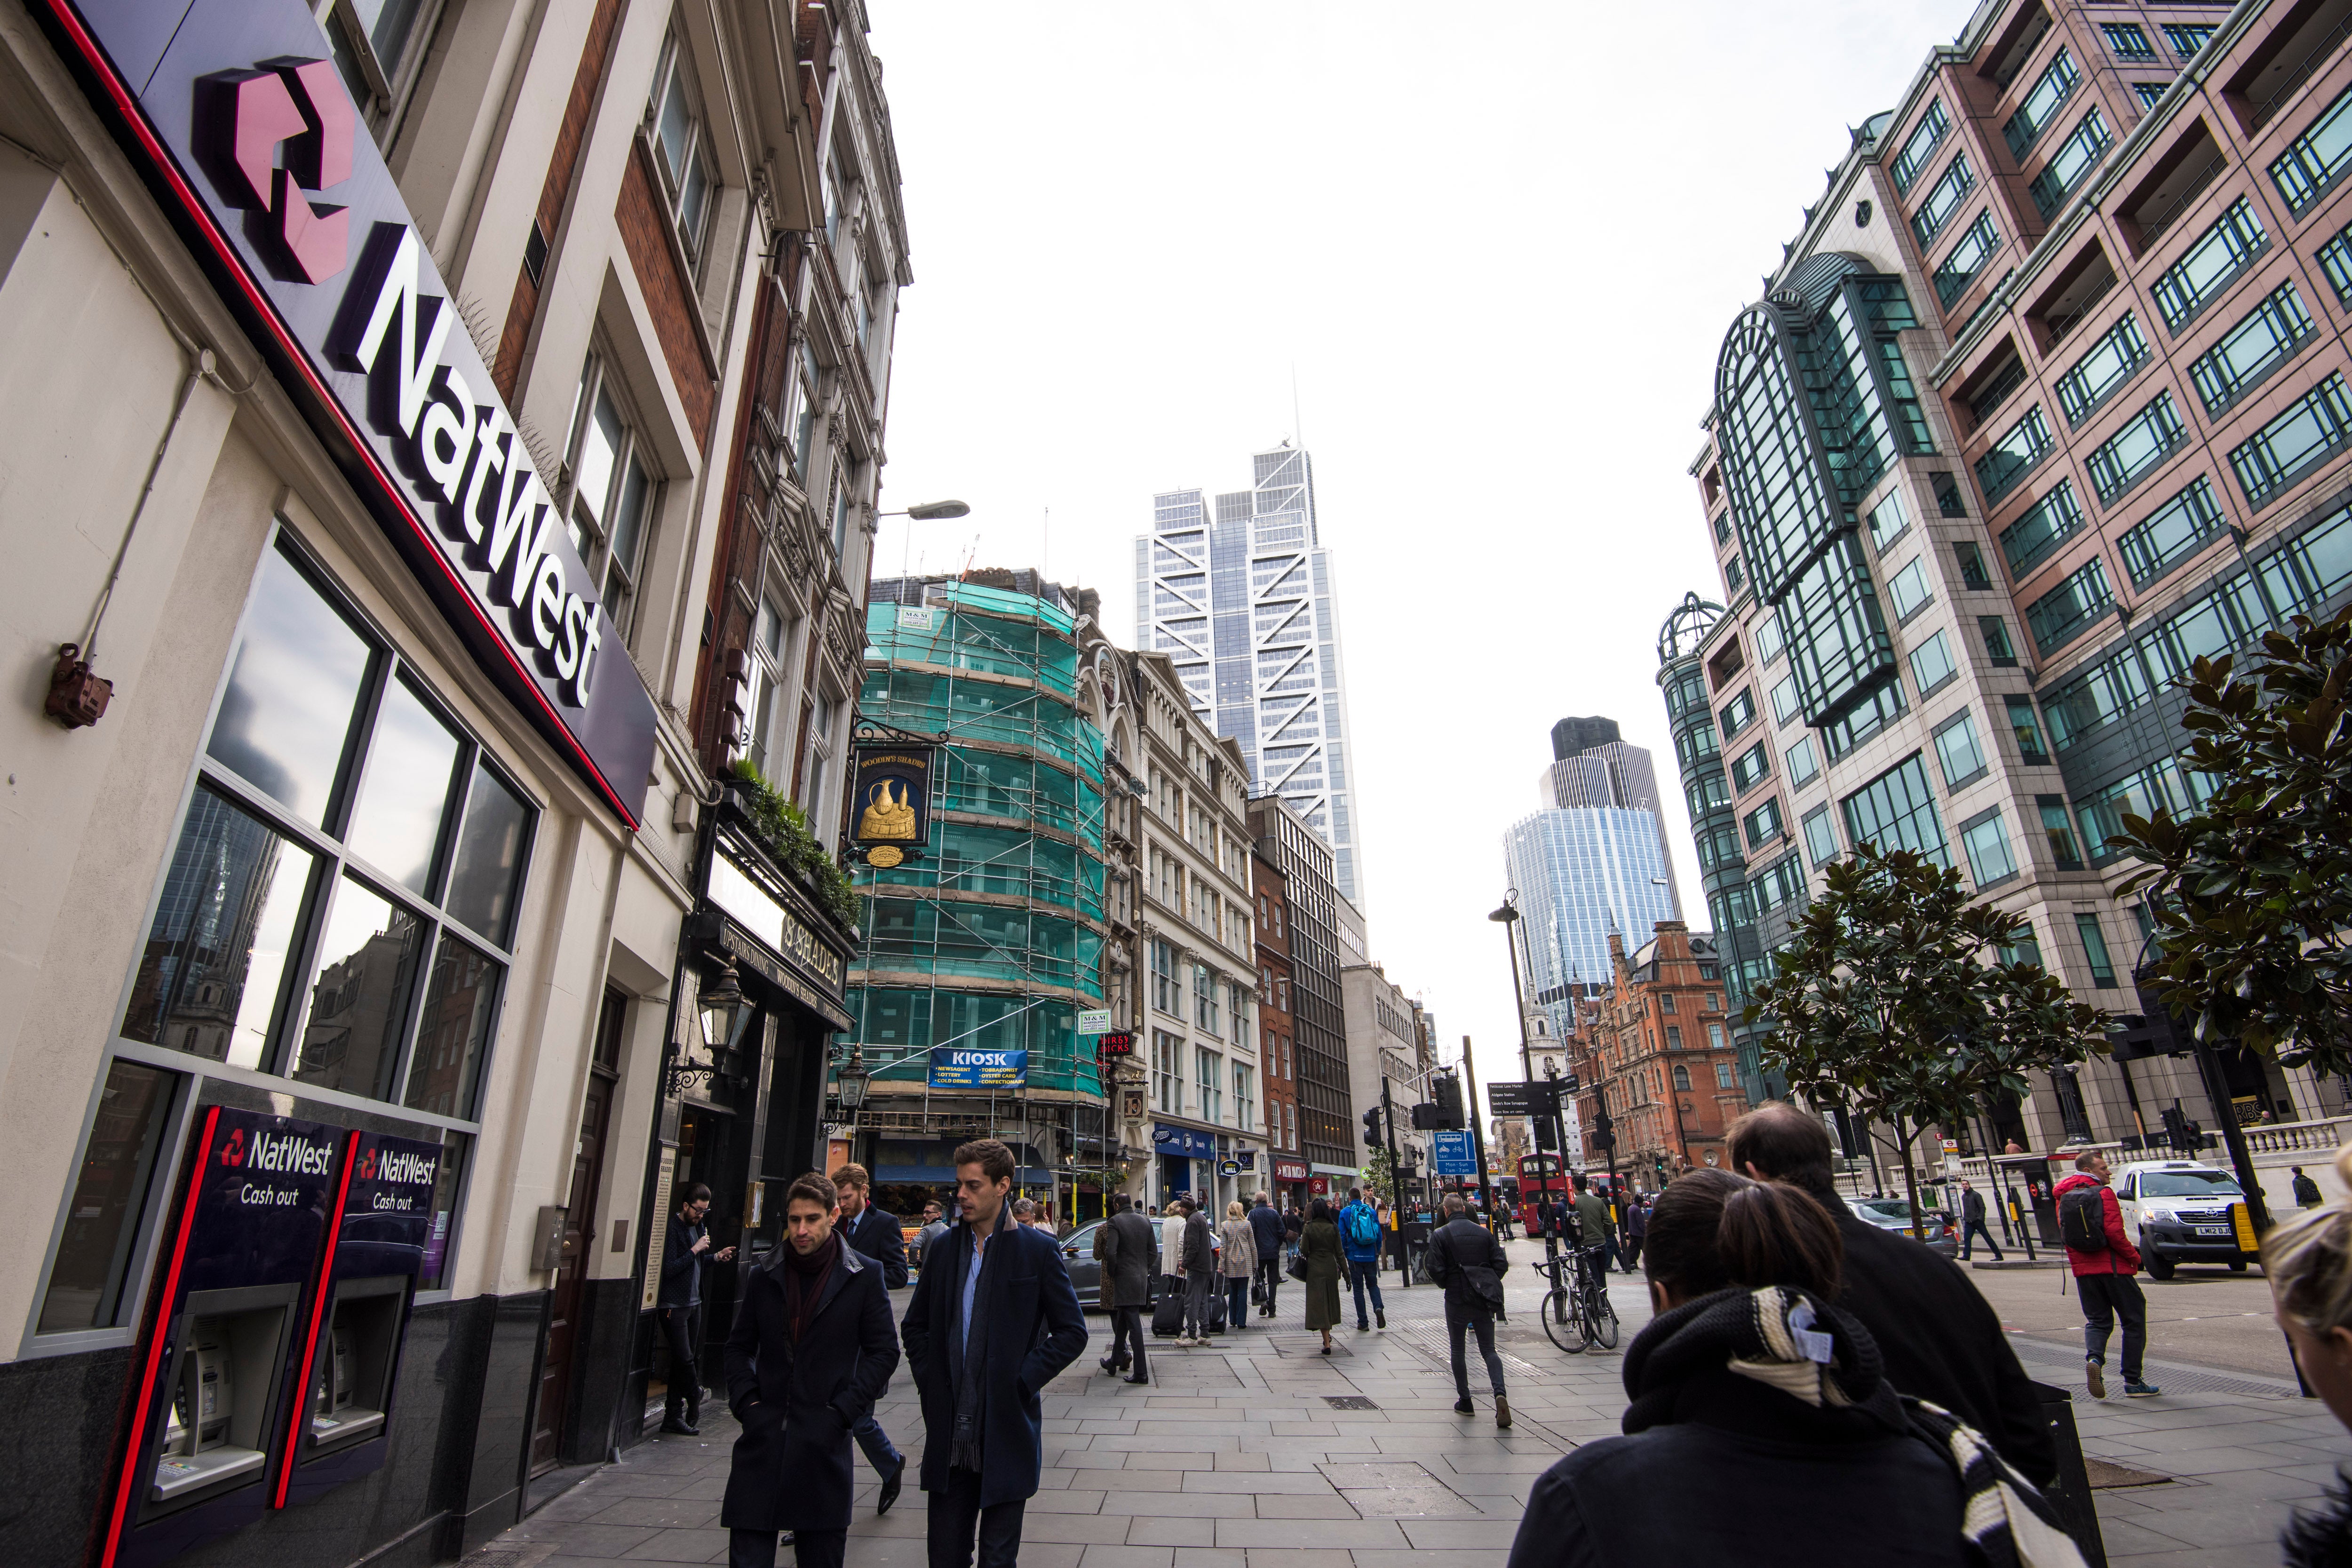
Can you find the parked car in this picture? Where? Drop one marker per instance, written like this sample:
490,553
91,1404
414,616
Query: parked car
2178,1211
1078,1256
1894,1214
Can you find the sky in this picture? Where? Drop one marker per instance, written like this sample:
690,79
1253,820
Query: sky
1478,260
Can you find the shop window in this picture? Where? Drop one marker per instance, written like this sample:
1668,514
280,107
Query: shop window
117,1170
674,125
611,489
294,694
250,901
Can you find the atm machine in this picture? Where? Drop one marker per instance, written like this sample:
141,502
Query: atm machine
362,1320
241,1254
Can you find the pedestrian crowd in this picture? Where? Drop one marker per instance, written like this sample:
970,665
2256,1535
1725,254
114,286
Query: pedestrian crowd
1847,1393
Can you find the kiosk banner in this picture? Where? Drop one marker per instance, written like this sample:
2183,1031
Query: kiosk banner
955,1067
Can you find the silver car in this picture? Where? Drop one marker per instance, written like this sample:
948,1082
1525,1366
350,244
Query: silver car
1895,1214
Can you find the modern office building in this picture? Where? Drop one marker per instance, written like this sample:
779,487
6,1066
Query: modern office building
994,938
2046,399
1240,593
1592,863
1593,764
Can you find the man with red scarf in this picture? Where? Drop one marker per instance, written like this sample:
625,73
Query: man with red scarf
813,1348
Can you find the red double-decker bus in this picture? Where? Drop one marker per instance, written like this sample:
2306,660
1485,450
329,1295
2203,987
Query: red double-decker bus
1543,1179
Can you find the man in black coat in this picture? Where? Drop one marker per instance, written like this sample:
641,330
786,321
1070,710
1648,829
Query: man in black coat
811,1351
1972,1222
993,1320
877,1235
1940,1339
1126,1249
1470,1264
1265,1229
678,1308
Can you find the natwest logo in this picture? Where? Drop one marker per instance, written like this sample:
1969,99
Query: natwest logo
300,105
284,1154
398,1166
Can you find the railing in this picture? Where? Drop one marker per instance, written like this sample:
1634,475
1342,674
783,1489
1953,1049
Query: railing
2300,74
2323,1136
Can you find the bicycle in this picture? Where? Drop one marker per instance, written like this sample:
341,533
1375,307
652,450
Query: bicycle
1563,1323
1578,1313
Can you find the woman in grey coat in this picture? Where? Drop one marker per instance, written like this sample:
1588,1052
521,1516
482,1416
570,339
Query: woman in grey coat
1240,1261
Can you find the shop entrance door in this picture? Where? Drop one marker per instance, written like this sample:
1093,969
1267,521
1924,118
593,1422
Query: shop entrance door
579,1237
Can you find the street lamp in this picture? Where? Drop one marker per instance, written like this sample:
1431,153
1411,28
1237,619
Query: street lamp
853,1080
1508,917
932,512
722,1009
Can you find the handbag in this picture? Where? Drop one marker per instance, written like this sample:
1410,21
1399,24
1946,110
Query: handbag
1257,1292
1296,1267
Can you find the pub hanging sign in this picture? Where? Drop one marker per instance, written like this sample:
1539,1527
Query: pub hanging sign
891,804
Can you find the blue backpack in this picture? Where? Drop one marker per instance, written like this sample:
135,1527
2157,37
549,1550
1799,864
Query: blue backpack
1363,1230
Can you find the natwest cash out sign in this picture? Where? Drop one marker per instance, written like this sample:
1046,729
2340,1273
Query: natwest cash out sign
248,135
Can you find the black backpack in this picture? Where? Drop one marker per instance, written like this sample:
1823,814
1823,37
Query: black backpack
2082,1218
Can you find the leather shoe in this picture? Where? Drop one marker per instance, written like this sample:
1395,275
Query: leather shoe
1145,1380
891,1488
1108,1364
1463,1406
680,1428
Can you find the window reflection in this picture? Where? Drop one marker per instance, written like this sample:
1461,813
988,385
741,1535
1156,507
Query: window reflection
208,982
434,1274
397,825
489,858
359,1002
286,719
454,1031
93,1256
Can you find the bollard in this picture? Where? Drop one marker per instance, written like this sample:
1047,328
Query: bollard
2071,1495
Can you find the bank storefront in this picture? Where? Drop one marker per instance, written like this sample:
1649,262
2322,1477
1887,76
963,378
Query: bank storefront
335,1100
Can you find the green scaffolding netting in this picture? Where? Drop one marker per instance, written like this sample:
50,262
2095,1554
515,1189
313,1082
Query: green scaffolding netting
895,1028
962,640
968,859
990,784
985,940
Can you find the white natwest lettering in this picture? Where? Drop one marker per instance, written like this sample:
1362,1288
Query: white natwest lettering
461,446
284,1152
394,1166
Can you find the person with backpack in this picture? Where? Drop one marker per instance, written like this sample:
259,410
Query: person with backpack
1469,1262
1359,1240
2103,1262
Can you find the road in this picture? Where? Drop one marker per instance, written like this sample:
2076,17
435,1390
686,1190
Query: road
2209,1317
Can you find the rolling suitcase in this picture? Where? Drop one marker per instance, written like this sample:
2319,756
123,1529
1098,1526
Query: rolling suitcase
1168,1311
1217,1313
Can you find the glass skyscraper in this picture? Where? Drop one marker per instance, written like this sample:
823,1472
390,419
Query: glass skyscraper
1237,591
1581,873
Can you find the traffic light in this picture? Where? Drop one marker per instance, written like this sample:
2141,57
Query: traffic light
1372,1139
1548,1135
1603,1138
1449,1118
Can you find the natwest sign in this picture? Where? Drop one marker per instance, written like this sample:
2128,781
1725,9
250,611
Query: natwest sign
250,138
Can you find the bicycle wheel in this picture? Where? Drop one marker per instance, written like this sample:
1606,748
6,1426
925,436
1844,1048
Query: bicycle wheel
1601,1318
1563,1324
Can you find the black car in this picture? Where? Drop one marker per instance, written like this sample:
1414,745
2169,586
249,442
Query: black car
1079,1255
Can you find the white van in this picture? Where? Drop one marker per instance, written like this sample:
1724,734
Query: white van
2178,1211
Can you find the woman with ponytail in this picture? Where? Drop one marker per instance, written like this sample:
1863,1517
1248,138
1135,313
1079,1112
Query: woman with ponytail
1761,1430
2308,1261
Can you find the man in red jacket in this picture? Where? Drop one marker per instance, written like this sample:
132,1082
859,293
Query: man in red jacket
2103,1278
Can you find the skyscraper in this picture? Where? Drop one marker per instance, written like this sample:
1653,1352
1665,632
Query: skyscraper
1592,863
1238,593
1593,766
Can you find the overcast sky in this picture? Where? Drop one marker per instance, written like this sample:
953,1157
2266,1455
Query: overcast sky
1496,246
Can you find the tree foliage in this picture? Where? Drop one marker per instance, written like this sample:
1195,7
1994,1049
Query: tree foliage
1889,998
2251,893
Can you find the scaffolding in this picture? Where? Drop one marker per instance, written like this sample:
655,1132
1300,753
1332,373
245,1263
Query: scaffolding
994,938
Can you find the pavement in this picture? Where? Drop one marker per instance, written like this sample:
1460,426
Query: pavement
1257,1452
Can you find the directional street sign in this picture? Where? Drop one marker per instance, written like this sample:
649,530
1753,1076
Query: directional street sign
1451,1156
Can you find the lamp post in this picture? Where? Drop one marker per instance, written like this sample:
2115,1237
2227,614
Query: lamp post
721,1008
929,511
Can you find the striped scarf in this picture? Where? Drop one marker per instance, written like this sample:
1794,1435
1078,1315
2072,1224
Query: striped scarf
1798,1343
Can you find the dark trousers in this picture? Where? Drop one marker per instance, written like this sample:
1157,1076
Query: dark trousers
879,1451
681,1328
1632,1253
956,1515
1236,1300
1457,1319
1127,1339
1269,1274
1198,1289
1975,1229
2106,1297
811,1548
1359,1275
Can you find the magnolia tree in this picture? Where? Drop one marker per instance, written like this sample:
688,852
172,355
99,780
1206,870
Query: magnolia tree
2251,893
1890,998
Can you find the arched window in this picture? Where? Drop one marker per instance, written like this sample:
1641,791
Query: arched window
1682,1078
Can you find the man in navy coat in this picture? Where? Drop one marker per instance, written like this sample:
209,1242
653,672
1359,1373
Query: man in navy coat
993,1320
810,1352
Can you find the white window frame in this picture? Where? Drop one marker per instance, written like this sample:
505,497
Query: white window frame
385,87
676,72
593,521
